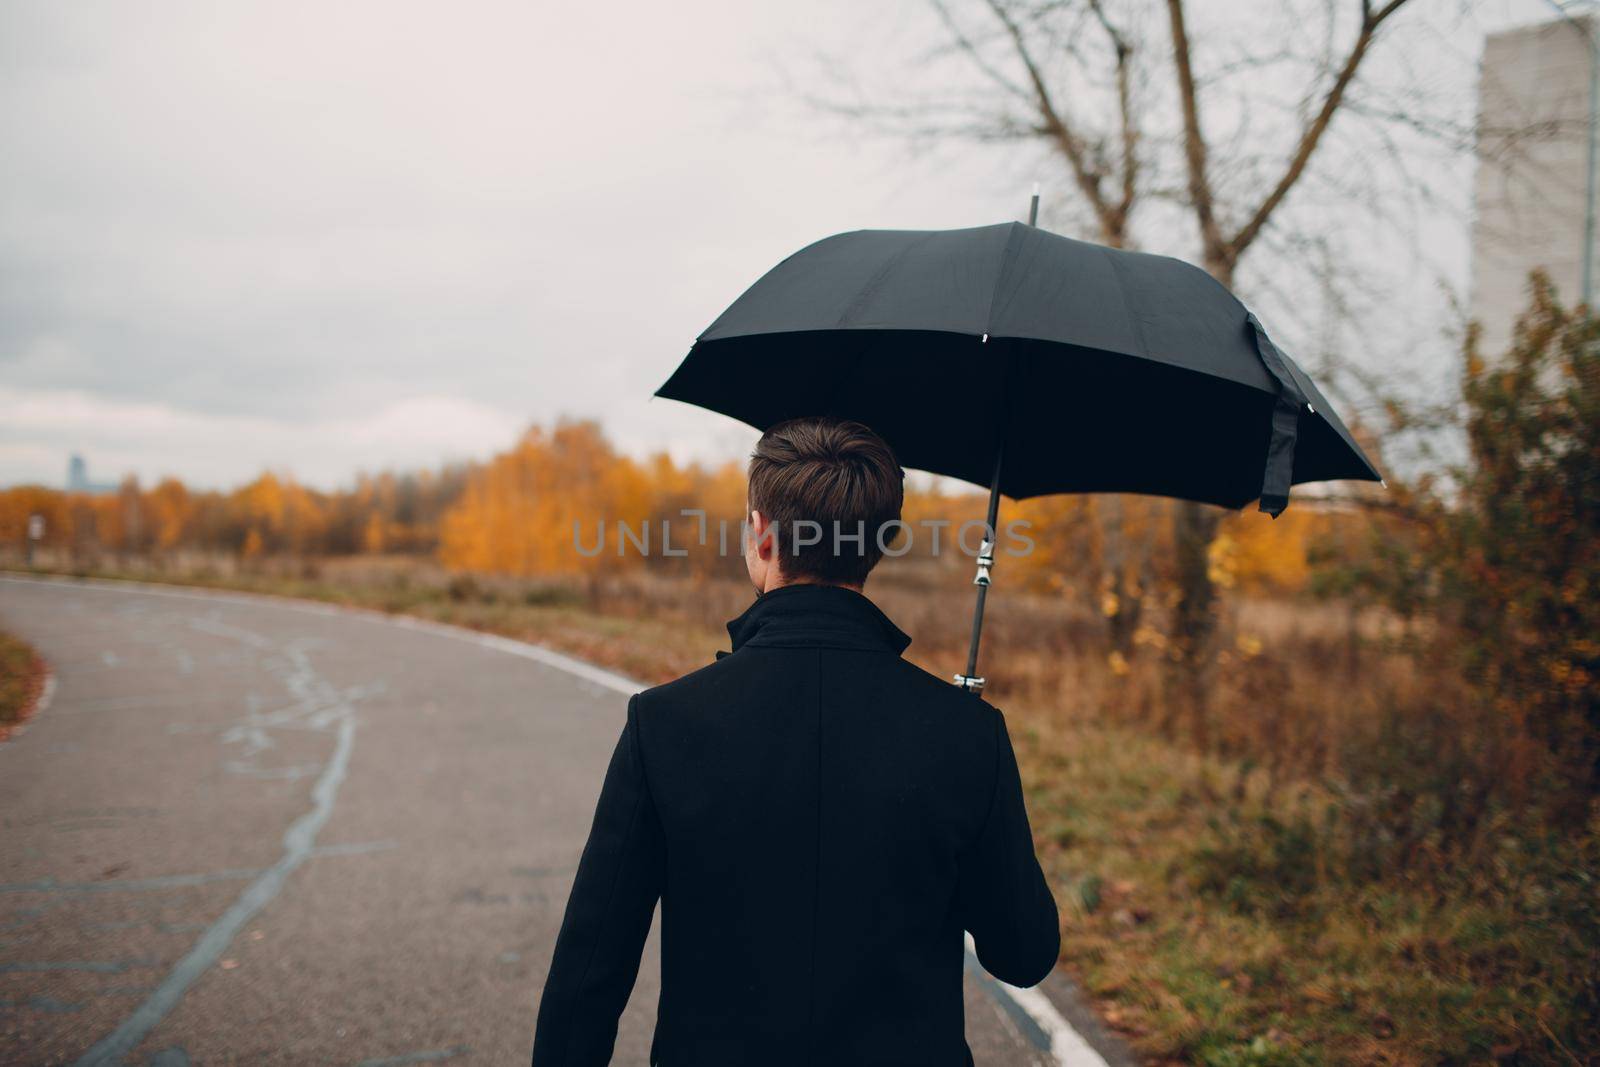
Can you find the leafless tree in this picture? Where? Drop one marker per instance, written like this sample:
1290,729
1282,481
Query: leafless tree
1214,129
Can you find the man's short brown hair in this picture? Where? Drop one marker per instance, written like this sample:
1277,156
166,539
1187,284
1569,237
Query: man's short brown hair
829,487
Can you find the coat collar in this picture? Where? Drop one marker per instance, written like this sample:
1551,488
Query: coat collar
816,616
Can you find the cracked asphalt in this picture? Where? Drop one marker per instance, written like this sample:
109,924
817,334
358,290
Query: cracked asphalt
258,831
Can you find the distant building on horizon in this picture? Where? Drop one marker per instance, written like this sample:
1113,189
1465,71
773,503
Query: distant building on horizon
1532,189
78,478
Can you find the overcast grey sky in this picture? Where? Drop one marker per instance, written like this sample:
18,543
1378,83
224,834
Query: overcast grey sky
327,237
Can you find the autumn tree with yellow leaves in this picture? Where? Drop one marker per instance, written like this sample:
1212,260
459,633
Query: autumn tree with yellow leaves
528,510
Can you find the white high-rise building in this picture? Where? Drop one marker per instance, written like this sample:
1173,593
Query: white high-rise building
1531,196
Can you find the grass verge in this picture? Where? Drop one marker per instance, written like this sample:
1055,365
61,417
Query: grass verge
22,675
1217,920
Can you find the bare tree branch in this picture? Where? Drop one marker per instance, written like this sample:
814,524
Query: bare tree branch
1312,135
1059,128
1129,127
975,55
1194,146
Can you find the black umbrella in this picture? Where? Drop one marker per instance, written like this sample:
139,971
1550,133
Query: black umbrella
1031,363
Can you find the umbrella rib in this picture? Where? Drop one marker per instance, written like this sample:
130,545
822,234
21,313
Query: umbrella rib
1135,325
1008,255
870,288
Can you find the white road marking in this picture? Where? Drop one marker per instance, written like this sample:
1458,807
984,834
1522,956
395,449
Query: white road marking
45,694
1067,1047
538,653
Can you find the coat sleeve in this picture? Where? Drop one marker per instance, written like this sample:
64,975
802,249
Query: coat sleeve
608,917
1004,899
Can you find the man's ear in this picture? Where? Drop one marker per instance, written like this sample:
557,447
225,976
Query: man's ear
761,534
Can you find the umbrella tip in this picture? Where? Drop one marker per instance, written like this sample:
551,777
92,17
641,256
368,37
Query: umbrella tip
1035,188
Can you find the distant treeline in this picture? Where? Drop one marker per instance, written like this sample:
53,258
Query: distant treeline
526,511
271,515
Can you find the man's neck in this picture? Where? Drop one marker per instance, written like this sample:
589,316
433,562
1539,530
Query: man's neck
778,581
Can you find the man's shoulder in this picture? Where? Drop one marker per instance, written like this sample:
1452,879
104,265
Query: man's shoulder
733,676
694,686
934,687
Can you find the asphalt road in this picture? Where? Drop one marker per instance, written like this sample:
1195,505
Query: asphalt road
248,830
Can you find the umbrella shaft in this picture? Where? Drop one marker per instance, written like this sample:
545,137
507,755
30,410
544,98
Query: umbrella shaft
970,679
977,632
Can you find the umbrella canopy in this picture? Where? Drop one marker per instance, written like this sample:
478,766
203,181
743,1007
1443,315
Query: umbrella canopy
1092,369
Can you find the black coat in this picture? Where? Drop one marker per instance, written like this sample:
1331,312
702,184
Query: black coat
820,820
